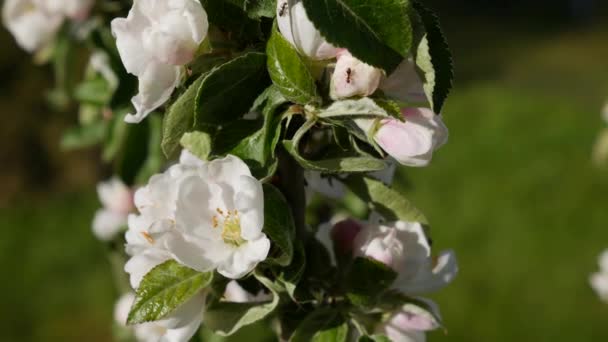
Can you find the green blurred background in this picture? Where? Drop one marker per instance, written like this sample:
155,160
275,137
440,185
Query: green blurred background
514,192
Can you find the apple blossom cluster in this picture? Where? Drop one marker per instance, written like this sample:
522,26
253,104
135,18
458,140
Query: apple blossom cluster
254,147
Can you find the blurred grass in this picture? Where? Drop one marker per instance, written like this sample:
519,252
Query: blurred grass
514,193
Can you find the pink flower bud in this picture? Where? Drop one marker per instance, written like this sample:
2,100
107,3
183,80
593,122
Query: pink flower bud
352,77
412,142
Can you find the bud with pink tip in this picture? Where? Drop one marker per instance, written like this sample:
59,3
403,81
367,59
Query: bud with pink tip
412,142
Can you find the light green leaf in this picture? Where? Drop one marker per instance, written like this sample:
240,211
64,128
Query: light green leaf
164,289
388,202
154,156
434,58
228,91
95,91
377,32
198,143
359,107
332,165
278,225
325,324
289,72
179,119
226,318
84,136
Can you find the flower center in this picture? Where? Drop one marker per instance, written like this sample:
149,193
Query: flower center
231,226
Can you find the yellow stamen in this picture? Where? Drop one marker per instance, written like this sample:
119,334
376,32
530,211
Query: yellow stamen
148,237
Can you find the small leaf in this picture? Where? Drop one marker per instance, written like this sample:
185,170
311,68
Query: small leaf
198,143
434,58
388,202
360,107
289,72
154,155
325,324
367,279
179,119
278,225
226,318
164,289
95,91
377,32
228,91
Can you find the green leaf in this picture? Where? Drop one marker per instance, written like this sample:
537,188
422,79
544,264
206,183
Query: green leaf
95,91
179,119
164,289
226,318
434,58
154,157
332,165
322,325
377,32
278,225
359,107
289,71
386,201
367,279
228,91
257,8
374,338
231,17
132,154
290,276
84,136
198,143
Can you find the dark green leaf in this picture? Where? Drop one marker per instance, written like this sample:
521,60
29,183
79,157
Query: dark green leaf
376,32
325,324
226,318
289,71
434,58
367,279
229,90
374,338
388,202
179,119
231,17
164,289
278,225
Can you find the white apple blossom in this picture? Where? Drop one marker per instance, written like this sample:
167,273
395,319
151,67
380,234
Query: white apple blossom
156,39
605,113
412,142
297,28
180,326
599,280
34,23
404,247
117,201
353,77
205,215
409,323
237,294
404,84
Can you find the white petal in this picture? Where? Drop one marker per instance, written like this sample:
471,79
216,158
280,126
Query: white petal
405,85
228,170
245,258
192,254
128,33
32,26
249,201
603,261
156,84
433,279
188,312
189,159
122,308
352,77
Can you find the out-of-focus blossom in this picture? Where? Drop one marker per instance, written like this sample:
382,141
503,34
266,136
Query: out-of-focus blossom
117,201
34,23
237,294
156,39
599,280
409,323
